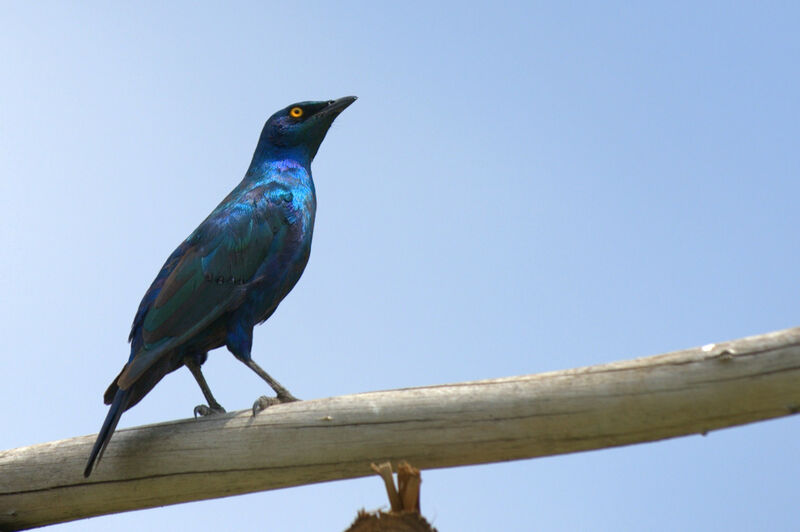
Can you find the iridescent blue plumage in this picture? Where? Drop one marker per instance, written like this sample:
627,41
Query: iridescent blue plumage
232,271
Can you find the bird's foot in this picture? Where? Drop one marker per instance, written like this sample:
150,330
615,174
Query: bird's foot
264,401
204,410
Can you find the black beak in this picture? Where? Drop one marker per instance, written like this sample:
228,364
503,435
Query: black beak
335,107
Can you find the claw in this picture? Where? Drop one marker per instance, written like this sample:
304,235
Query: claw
264,401
204,410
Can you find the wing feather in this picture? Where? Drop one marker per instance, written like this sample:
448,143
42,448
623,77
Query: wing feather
210,276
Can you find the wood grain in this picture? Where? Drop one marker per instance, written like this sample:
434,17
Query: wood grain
639,400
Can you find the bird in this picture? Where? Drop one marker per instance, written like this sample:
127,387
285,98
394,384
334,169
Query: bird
230,273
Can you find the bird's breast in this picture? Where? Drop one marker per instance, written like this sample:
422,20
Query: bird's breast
290,209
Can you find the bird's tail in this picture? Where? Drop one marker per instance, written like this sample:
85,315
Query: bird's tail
118,406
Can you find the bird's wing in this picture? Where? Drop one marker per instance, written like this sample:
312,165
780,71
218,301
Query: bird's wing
207,279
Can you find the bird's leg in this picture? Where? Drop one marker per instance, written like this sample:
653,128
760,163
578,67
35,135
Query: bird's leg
283,395
213,406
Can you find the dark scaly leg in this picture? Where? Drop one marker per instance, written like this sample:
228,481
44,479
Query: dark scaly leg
213,406
239,342
283,395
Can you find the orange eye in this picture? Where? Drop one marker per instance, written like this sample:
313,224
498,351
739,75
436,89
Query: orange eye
296,112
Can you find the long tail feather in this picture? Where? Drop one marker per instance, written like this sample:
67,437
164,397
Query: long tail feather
118,406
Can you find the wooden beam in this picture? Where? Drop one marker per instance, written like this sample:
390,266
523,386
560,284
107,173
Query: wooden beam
640,400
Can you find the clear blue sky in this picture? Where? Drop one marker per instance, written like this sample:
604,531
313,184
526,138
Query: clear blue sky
519,188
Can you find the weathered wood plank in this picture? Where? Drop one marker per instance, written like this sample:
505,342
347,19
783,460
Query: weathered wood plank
639,400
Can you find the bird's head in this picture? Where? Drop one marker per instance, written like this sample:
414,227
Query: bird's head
298,130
